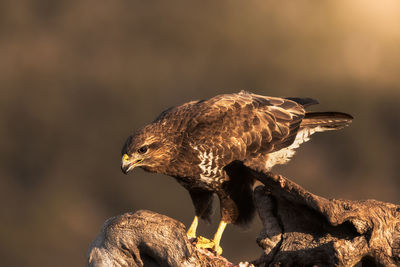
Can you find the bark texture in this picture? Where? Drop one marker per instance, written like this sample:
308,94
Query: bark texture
146,238
302,229
299,229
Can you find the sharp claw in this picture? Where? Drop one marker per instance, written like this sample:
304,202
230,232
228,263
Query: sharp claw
205,243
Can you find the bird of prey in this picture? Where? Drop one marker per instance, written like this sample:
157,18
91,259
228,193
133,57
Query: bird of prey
215,146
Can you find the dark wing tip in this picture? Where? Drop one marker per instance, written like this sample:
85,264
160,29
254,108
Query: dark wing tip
327,120
305,102
348,116
331,114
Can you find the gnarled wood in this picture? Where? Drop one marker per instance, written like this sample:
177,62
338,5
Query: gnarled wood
300,229
146,238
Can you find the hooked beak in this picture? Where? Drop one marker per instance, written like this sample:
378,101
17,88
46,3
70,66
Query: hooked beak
127,164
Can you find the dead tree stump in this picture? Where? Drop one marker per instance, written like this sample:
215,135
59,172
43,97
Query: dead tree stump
303,229
299,229
146,238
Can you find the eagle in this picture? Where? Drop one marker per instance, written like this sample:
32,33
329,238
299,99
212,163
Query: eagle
216,146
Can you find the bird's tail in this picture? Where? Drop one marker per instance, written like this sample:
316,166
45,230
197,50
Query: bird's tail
324,121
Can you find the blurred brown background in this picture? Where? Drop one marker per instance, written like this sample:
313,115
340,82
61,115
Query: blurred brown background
76,77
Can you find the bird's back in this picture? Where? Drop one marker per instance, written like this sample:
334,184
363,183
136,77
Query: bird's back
243,126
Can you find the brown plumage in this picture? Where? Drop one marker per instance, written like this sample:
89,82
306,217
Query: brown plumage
211,146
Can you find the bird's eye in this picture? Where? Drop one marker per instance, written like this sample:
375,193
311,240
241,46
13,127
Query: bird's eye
142,150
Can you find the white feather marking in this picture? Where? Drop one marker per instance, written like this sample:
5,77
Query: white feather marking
210,177
202,165
216,169
284,155
207,159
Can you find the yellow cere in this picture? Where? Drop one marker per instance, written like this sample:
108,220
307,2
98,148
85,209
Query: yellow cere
125,157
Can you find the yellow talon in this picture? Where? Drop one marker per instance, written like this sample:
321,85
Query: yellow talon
202,242
205,243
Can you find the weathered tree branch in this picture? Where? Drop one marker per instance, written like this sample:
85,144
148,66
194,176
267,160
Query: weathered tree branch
146,238
300,229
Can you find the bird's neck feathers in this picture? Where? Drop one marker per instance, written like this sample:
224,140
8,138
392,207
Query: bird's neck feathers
161,159
167,152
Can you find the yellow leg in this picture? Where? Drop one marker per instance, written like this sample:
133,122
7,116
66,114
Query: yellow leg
218,235
191,233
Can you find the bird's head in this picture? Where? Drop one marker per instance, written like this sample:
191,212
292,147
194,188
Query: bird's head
146,150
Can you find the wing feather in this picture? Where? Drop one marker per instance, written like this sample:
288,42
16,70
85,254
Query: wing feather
251,125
